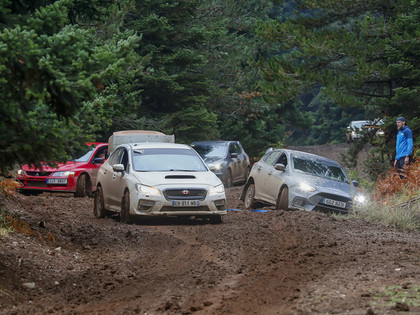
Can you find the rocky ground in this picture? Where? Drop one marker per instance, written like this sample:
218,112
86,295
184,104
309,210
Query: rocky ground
276,262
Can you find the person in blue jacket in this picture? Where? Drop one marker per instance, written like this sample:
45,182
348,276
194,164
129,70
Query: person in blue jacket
404,146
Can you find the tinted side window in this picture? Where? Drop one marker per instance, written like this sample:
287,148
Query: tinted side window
115,157
239,148
282,159
271,157
124,159
232,148
101,153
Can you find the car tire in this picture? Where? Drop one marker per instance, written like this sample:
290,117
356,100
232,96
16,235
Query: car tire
125,215
82,186
228,179
283,199
249,200
98,203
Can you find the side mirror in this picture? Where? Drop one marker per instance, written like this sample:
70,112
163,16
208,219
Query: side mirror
118,168
355,183
98,161
279,167
234,155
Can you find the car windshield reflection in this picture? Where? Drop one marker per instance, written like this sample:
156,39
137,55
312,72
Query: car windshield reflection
83,156
210,151
167,160
318,168
359,124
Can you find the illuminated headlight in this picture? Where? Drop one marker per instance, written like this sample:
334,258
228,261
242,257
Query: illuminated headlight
306,187
219,189
216,166
21,173
147,190
360,199
64,174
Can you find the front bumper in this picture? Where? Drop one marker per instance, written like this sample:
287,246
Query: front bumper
321,201
142,204
39,183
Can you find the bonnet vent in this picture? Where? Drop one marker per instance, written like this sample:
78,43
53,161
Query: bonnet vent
179,176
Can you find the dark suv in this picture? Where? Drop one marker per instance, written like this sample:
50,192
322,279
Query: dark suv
227,159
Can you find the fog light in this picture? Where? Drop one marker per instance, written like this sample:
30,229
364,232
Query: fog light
220,204
146,205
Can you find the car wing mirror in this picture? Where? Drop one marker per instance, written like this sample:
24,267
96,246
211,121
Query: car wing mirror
355,183
234,155
118,168
280,167
98,160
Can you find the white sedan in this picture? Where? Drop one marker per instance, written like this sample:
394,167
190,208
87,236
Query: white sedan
158,179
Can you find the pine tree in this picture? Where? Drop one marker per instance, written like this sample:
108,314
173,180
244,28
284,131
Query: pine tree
50,66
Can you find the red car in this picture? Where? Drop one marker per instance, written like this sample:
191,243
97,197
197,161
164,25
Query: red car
76,176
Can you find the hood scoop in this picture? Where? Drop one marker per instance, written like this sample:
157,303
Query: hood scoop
179,176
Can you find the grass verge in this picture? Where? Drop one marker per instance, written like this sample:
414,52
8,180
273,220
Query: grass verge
403,215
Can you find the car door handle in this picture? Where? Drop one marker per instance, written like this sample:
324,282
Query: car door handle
270,172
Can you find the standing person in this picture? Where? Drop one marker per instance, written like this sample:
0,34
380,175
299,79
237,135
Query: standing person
404,146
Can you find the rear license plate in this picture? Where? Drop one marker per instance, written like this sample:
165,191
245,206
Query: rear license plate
335,203
185,203
60,181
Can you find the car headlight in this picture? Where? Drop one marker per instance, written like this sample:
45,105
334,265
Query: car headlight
360,199
147,190
64,174
216,190
216,166
21,173
306,187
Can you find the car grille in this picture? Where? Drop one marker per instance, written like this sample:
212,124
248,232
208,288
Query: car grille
334,197
38,173
179,194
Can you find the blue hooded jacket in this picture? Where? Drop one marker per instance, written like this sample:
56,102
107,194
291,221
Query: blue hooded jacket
404,142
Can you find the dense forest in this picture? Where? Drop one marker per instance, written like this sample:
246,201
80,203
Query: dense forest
267,73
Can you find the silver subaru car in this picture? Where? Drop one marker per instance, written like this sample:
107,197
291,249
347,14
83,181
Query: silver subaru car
158,179
293,179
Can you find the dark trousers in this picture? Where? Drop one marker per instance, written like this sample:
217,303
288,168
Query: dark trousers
400,166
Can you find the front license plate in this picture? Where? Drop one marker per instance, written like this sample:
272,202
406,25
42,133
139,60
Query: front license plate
60,181
185,203
335,203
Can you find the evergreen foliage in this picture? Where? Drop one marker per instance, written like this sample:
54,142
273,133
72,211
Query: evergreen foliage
49,69
267,73
364,54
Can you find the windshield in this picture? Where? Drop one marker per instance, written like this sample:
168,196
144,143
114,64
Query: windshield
211,150
359,124
320,168
164,160
83,155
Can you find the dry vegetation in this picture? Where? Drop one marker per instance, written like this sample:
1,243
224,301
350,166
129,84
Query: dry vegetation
395,201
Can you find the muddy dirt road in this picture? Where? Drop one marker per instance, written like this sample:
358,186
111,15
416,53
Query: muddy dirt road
273,262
